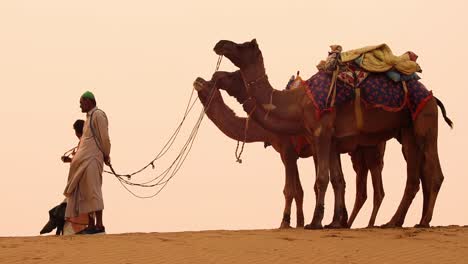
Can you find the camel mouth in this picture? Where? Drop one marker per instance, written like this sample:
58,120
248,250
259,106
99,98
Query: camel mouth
200,84
220,75
223,47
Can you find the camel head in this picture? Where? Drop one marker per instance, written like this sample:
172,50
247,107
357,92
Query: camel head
204,89
232,83
200,84
242,55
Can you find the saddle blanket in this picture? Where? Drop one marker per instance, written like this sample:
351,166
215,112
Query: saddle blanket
377,90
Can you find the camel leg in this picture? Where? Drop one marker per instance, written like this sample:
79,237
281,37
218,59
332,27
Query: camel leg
432,178
299,198
426,126
426,190
413,160
289,158
316,176
320,187
374,159
298,194
361,170
340,216
286,220
322,141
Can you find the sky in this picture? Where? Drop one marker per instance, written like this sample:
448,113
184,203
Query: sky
140,59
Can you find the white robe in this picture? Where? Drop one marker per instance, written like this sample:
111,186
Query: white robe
83,190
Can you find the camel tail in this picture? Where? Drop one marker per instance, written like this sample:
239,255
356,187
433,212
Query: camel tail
444,113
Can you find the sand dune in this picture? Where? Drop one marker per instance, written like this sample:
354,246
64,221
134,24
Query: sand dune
408,245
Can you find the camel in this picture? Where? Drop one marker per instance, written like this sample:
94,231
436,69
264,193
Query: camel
338,127
234,127
363,158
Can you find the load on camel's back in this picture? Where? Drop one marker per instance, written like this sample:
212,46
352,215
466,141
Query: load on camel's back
362,74
378,58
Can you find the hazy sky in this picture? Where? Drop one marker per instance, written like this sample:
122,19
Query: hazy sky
140,59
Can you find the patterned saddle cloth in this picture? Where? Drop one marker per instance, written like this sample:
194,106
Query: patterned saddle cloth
377,90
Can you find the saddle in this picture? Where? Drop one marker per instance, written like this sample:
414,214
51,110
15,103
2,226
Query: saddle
353,66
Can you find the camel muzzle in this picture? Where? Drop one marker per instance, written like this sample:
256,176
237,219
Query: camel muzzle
199,84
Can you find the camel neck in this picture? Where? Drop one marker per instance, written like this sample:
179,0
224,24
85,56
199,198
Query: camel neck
252,75
256,82
233,126
283,104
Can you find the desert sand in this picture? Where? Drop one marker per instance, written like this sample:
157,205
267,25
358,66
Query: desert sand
407,245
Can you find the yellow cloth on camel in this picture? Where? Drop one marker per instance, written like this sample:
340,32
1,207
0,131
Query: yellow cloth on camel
380,58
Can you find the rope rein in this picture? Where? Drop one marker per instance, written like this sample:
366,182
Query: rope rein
249,84
246,127
69,152
270,105
164,177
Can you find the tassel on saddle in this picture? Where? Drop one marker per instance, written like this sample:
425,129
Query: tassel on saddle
334,64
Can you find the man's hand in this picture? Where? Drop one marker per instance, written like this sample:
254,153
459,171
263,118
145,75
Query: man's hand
66,159
107,160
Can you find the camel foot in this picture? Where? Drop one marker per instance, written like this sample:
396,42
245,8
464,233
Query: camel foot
336,225
313,226
284,225
300,222
390,225
422,226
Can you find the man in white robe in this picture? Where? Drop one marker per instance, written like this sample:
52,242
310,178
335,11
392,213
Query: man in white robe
84,186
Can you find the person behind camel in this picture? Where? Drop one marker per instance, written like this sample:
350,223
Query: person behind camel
57,214
78,127
78,222
84,186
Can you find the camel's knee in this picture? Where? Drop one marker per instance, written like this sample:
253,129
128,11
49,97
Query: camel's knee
361,197
433,172
438,183
338,183
413,187
288,194
379,196
299,195
321,184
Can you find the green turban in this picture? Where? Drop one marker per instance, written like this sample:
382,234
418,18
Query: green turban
88,95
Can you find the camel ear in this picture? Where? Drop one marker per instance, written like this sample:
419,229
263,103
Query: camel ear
254,42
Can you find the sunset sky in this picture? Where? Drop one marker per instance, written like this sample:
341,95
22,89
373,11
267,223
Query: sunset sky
140,59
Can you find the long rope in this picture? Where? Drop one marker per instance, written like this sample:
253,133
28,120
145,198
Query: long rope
166,147
175,166
162,179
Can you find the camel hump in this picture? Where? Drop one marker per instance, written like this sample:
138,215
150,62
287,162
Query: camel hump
295,82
